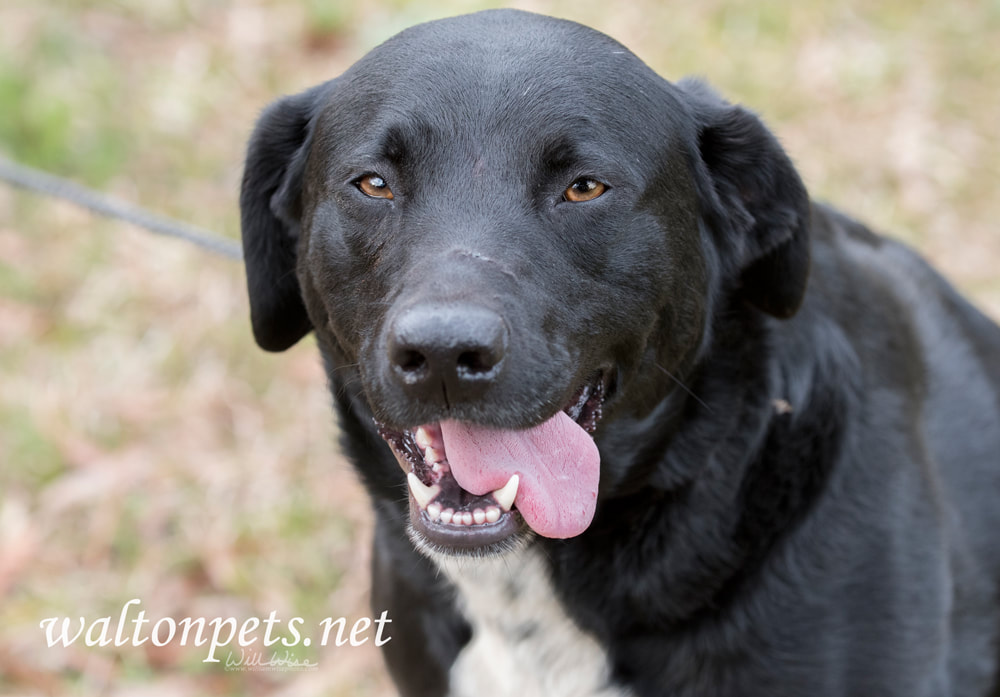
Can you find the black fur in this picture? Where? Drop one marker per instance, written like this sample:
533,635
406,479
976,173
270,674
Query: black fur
800,452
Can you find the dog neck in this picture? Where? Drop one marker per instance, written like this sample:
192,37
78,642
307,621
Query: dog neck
523,642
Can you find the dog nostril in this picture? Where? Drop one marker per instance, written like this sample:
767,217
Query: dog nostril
476,362
411,361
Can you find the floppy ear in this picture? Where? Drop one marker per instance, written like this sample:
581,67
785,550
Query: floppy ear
270,212
754,201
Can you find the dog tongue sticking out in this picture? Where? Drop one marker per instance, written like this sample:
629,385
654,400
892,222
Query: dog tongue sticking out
557,463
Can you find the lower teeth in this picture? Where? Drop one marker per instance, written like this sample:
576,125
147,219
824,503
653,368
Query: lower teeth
450,516
426,438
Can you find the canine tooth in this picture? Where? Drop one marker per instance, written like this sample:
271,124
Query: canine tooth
492,514
434,510
506,494
421,492
446,515
479,516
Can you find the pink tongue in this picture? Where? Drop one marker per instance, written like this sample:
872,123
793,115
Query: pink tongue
557,463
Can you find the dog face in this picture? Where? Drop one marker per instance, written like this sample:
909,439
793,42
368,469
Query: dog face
509,231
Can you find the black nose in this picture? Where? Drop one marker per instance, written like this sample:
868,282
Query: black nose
450,352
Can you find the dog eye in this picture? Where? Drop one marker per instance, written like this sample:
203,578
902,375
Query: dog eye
374,186
584,189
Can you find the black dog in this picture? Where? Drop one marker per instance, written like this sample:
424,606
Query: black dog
669,427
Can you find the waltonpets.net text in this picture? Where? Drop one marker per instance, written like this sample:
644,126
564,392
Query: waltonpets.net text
217,632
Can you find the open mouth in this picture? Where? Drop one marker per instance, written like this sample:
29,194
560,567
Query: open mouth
475,490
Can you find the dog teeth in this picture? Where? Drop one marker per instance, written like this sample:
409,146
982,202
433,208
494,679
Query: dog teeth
421,492
450,516
423,438
429,436
424,495
433,455
505,495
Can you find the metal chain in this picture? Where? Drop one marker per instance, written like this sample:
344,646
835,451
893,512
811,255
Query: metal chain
49,185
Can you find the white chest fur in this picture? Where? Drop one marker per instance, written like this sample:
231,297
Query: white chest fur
523,643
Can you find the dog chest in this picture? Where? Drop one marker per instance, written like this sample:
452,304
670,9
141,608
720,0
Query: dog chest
523,642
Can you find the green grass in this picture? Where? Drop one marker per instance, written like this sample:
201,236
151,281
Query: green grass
32,461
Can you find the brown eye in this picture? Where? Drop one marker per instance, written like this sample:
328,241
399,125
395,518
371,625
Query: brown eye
584,189
373,185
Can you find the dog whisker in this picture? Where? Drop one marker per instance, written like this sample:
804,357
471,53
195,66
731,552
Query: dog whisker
684,387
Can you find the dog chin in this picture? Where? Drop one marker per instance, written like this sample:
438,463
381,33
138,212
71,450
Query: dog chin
457,559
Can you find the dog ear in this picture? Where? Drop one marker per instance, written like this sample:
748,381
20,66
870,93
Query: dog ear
754,200
270,213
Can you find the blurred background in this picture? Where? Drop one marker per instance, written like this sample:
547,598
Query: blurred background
149,450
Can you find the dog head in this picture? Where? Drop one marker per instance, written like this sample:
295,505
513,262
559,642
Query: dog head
507,228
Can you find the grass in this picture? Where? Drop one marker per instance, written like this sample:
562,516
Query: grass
148,449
